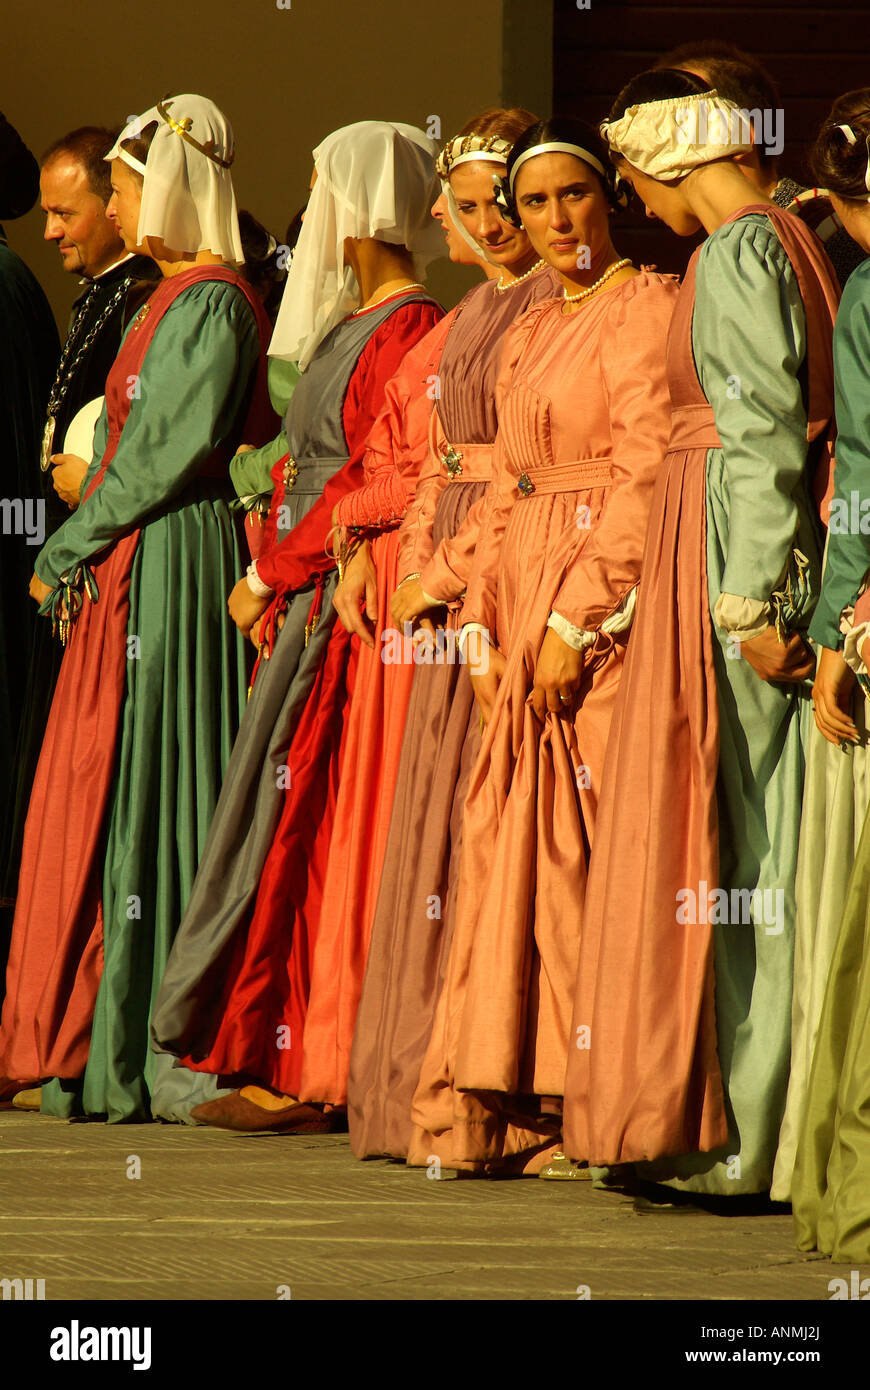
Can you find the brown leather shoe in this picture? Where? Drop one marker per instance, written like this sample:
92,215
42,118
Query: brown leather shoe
236,1112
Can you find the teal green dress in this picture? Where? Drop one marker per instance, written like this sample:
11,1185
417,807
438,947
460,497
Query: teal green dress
251,472
831,1179
749,339
186,672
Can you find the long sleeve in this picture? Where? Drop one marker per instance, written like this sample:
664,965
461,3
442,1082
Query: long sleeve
251,472
398,442
634,378
749,339
848,554
501,495
415,533
302,554
191,390
445,576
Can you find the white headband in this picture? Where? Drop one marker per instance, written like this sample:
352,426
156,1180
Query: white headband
853,140
667,139
557,147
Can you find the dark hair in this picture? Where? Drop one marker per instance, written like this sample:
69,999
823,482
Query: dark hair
572,131
88,145
262,269
506,123
657,84
838,165
737,76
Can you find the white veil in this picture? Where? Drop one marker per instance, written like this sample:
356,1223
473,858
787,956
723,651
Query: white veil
374,179
187,194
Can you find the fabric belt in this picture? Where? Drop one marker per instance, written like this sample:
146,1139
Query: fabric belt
468,463
566,477
313,474
693,427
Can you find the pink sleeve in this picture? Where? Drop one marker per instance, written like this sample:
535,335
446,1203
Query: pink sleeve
634,376
397,444
446,575
415,533
501,495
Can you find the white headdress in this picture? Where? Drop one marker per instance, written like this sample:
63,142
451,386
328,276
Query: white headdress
666,139
187,194
374,179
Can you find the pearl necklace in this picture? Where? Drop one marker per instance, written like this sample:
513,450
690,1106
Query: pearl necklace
502,285
584,294
414,285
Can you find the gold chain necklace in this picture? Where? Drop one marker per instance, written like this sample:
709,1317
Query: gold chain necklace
584,294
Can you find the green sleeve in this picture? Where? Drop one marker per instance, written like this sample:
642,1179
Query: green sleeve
251,472
848,555
749,340
191,389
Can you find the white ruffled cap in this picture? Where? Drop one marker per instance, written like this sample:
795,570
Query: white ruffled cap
374,179
667,139
187,198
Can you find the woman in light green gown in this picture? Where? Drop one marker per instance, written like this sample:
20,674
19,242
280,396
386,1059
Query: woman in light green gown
831,1180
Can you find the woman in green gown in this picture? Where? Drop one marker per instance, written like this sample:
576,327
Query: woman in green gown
136,581
831,1179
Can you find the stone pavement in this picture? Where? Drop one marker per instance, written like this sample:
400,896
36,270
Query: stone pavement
215,1215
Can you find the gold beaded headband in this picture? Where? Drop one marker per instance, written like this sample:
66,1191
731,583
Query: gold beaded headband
182,128
468,147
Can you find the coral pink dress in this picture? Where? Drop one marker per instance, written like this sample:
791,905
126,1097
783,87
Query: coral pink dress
584,417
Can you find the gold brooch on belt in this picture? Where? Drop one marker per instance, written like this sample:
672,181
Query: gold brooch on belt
453,460
525,485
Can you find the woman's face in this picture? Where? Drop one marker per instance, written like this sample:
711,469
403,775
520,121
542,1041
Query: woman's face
855,217
124,204
664,202
457,250
564,210
474,192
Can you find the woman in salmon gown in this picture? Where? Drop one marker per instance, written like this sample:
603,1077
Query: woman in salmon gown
829,1189
583,420
685,971
234,997
436,542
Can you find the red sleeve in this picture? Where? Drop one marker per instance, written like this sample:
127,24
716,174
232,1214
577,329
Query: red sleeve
397,445
302,554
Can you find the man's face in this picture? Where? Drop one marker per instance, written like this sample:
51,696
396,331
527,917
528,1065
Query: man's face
75,217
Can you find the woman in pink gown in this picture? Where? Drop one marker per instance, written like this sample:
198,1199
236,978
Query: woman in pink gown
412,923
584,416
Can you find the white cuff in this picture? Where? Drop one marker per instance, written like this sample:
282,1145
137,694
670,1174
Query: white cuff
742,618
255,583
579,638
852,649
463,636
576,637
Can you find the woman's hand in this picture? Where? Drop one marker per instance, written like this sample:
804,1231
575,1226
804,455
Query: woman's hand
38,590
408,602
245,607
360,584
833,689
485,667
67,475
557,675
773,660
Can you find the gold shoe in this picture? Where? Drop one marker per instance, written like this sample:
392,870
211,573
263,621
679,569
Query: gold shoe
28,1100
562,1167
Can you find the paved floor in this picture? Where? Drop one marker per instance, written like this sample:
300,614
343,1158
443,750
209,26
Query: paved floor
215,1215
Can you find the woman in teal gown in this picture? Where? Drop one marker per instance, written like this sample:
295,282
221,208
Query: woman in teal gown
154,668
